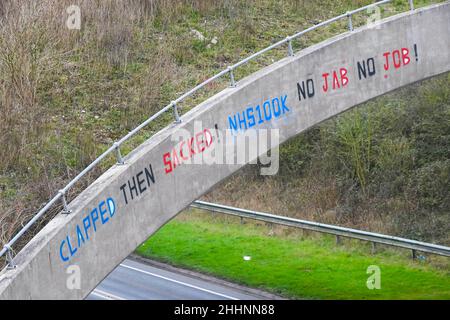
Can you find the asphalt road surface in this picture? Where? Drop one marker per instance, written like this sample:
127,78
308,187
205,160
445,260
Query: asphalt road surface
133,280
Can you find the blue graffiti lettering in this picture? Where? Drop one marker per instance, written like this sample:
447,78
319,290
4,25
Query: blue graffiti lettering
87,227
269,110
63,257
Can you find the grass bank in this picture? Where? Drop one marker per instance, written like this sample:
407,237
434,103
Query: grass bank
291,263
67,95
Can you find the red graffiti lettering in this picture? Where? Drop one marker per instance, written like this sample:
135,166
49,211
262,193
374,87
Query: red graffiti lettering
325,81
335,81
338,79
398,58
386,64
344,77
180,154
167,163
405,56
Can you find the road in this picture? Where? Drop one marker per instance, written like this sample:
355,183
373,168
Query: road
133,280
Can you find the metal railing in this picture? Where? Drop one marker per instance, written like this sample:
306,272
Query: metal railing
115,148
327,228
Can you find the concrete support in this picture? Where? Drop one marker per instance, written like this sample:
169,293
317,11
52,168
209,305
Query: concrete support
166,173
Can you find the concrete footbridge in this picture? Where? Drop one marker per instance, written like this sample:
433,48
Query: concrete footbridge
164,175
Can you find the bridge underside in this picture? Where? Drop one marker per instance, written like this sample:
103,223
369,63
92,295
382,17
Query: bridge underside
130,202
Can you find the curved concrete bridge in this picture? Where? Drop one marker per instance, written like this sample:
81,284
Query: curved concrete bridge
130,202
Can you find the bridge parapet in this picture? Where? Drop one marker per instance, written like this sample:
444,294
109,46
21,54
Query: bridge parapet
134,199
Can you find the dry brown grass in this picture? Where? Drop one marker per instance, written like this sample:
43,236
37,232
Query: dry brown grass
49,75
36,49
313,197
44,140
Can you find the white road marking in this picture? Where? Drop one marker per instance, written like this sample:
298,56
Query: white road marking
179,282
106,295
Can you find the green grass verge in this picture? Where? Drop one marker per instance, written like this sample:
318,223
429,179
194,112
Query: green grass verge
292,265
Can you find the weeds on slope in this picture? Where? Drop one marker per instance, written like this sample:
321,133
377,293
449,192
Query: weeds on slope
65,95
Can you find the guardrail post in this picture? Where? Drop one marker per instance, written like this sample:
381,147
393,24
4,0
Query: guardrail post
118,154
290,50
64,202
374,248
350,23
271,232
411,5
414,254
175,112
9,258
338,232
232,81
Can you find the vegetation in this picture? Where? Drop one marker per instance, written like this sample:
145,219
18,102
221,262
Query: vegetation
384,166
66,95
289,263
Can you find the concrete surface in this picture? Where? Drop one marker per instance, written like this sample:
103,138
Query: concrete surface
105,227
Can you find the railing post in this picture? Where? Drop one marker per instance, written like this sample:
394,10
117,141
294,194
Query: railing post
290,50
232,81
271,232
411,5
9,258
118,154
350,23
175,112
64,202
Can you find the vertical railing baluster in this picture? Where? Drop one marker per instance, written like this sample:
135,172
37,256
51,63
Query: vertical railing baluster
232,81
290,50
175,112
9,258
118,154
64,202
350,23
7,249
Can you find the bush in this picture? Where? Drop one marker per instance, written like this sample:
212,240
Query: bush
430,184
